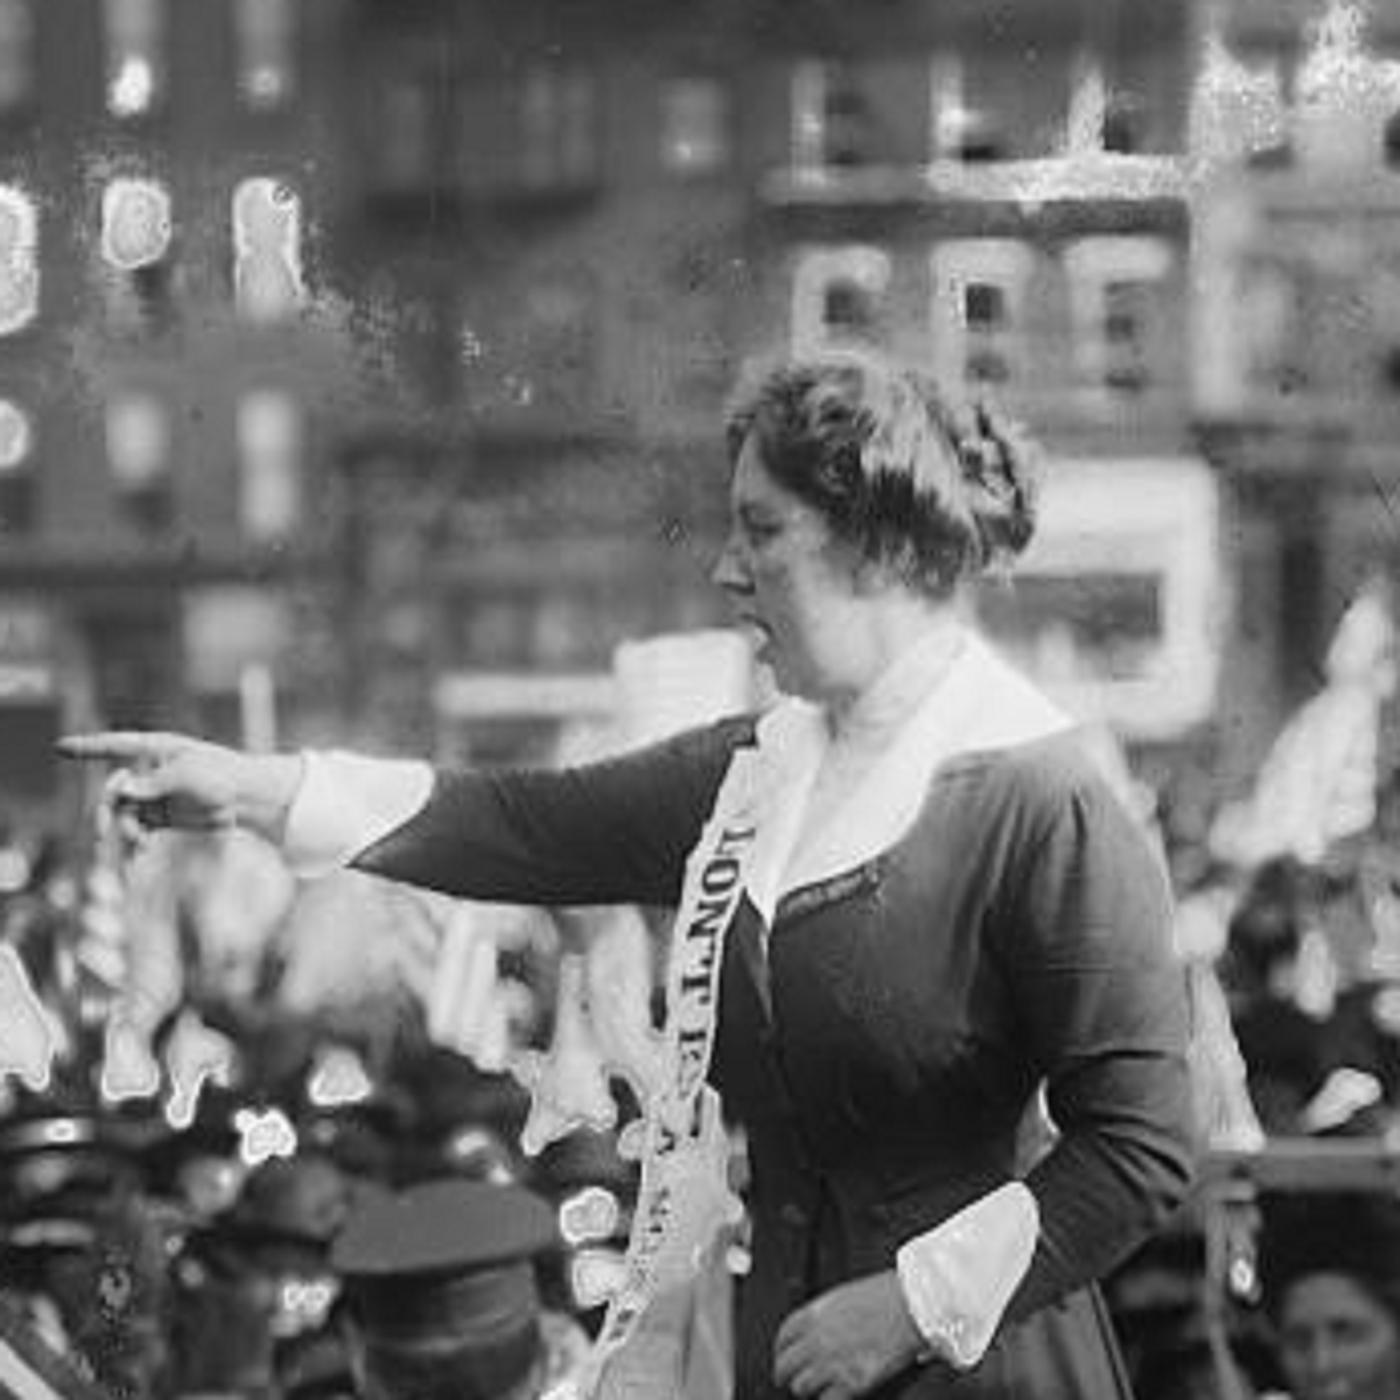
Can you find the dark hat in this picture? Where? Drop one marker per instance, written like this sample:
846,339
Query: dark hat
439,1280
301,1200
56,1169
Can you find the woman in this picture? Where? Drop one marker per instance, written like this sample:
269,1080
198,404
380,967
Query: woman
1330,1270
922,914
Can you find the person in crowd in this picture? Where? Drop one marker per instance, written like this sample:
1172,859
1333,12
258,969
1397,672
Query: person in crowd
440,1295
1285,1047
912,917
1329,1266
1365,1028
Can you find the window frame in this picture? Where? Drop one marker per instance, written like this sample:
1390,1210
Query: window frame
291,454
275,51
815,268
955,265
245,307
24,257
720,153
149,43
1094,264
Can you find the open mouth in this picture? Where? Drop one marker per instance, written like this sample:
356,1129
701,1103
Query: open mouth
754,630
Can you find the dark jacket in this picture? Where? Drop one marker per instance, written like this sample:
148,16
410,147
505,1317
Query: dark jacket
885,1054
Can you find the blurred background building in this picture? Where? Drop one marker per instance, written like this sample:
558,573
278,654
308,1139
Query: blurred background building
361,363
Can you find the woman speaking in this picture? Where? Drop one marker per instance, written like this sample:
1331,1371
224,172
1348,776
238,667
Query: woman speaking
921,953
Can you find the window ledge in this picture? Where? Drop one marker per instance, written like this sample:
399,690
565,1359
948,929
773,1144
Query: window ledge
1092,176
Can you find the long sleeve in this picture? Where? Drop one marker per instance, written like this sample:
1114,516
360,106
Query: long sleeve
604,833
1103,998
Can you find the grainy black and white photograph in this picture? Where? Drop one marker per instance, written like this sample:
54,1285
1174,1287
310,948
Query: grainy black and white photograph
699,701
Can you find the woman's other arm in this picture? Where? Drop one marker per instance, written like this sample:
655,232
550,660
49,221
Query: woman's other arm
1103,1000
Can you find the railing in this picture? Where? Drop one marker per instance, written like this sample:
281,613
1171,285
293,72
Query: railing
1305,1164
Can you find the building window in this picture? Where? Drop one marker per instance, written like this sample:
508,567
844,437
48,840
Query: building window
831,117
136,73
1272,315
269,432
1384,298
1124,127
264,36
979,287
1127,317
19,260
1390,141
17,84
137,227
694,125
846,118
841,120
976,137
1101,118
1116,291
16,436
839,297
945,105
808,116
559,138
960,130
267,271
137,235
16,468
138,455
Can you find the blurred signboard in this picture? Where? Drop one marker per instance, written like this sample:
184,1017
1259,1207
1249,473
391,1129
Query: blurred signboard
229,629
1116,606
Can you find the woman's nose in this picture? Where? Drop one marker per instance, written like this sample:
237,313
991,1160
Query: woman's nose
729,572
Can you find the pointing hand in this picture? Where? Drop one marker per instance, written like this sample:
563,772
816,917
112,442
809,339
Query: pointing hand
175,781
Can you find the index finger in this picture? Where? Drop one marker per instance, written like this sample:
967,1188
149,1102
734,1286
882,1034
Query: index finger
119,745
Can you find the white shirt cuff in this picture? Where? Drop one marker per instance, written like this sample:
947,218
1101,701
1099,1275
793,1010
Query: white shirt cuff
958,1277
345,803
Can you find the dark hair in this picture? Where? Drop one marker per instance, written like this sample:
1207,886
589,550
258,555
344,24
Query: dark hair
1355,1233
1266,929
936,491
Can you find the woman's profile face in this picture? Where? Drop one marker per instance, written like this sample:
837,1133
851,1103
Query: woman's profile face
1337,1341
792,584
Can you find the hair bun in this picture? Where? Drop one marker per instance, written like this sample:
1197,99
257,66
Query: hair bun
1000,466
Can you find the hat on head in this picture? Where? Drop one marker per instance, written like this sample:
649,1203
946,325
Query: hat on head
301,1200
440,1285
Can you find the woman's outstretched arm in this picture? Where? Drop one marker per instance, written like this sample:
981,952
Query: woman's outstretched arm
617,831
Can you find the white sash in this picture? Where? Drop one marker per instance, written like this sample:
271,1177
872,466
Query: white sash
684,1199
